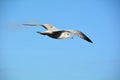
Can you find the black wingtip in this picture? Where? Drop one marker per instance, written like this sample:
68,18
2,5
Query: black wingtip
87,39
90,41
29,24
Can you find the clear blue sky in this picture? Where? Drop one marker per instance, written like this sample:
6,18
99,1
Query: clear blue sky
26,55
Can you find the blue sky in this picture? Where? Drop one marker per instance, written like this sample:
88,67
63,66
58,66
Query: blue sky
26,55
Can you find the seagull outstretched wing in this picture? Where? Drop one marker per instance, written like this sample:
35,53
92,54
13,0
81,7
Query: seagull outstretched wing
49,27
78,33
46,26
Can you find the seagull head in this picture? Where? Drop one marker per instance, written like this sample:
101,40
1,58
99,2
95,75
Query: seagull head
68,36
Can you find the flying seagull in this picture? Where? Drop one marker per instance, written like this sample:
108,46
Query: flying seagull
55,33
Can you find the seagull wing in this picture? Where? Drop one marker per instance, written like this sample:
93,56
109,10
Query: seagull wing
46,26
80,34
32,24
49,27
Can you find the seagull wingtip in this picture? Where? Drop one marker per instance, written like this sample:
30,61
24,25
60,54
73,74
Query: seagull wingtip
87,39
90,41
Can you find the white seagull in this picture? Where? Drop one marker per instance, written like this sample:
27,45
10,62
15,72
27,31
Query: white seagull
55,33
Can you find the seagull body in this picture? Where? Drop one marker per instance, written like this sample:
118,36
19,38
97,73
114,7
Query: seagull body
55,33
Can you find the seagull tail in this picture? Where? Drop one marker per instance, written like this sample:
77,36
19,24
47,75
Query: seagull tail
41,33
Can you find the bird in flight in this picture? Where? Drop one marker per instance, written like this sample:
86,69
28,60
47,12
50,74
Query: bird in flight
55,33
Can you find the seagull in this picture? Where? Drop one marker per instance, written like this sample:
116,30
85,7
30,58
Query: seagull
55,33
